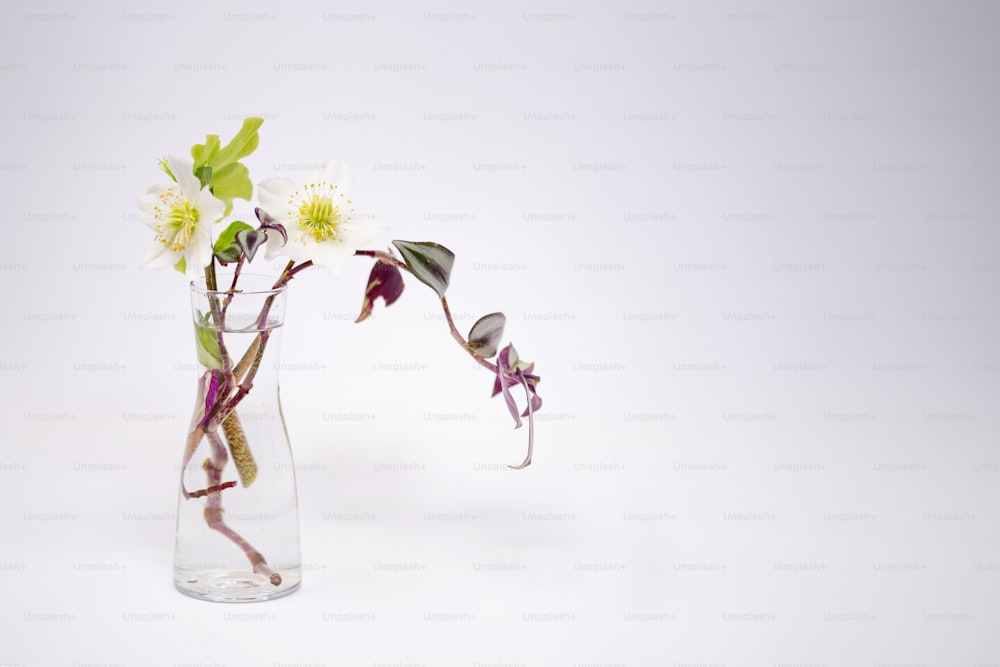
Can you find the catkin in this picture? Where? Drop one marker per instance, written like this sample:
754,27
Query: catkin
244,365
239,449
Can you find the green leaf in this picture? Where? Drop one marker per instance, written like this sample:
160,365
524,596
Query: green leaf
204,174
207,343
243,144
228,235
230,182
430,262
181,265
220,167
226,248
204,153
484,337
229,255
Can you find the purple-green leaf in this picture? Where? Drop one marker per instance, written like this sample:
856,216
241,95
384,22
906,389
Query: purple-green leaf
484,337
430,262
264,217
278,228
249,240
267,221
226,248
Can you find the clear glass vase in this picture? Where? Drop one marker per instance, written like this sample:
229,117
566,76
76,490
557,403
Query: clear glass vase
237,512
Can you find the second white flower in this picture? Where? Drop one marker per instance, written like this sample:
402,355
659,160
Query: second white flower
318,216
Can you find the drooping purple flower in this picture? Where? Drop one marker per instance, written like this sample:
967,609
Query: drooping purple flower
511,371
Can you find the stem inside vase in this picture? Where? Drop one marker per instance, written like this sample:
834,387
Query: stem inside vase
244,545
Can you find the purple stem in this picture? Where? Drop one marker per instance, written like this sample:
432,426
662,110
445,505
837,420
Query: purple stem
232,287
247,384
213,510
531,425
389,259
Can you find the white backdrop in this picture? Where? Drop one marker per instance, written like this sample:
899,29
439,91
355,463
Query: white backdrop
752,248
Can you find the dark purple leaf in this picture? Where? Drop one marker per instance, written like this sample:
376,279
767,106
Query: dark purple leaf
384,282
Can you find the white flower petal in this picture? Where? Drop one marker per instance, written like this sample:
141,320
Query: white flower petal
147,202
274,247
293,250
210,208
195,263
321,254
182,215
159,257
337,262
336,173
183,172
332,257
358,232
200,249
282,198
273,195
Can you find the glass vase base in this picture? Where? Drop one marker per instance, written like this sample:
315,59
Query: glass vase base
235,585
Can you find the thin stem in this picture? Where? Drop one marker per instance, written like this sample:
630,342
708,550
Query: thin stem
256,347
399,264
241,368
218,317
213,510
461,340
531,425
291,274
210,282
385,257
217,488
247,384
251,359
283,278
262,318
232,287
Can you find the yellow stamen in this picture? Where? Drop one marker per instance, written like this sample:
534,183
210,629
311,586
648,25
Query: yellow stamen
176,220
319,212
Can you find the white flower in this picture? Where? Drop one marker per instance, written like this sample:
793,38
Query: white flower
182,215
318,216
